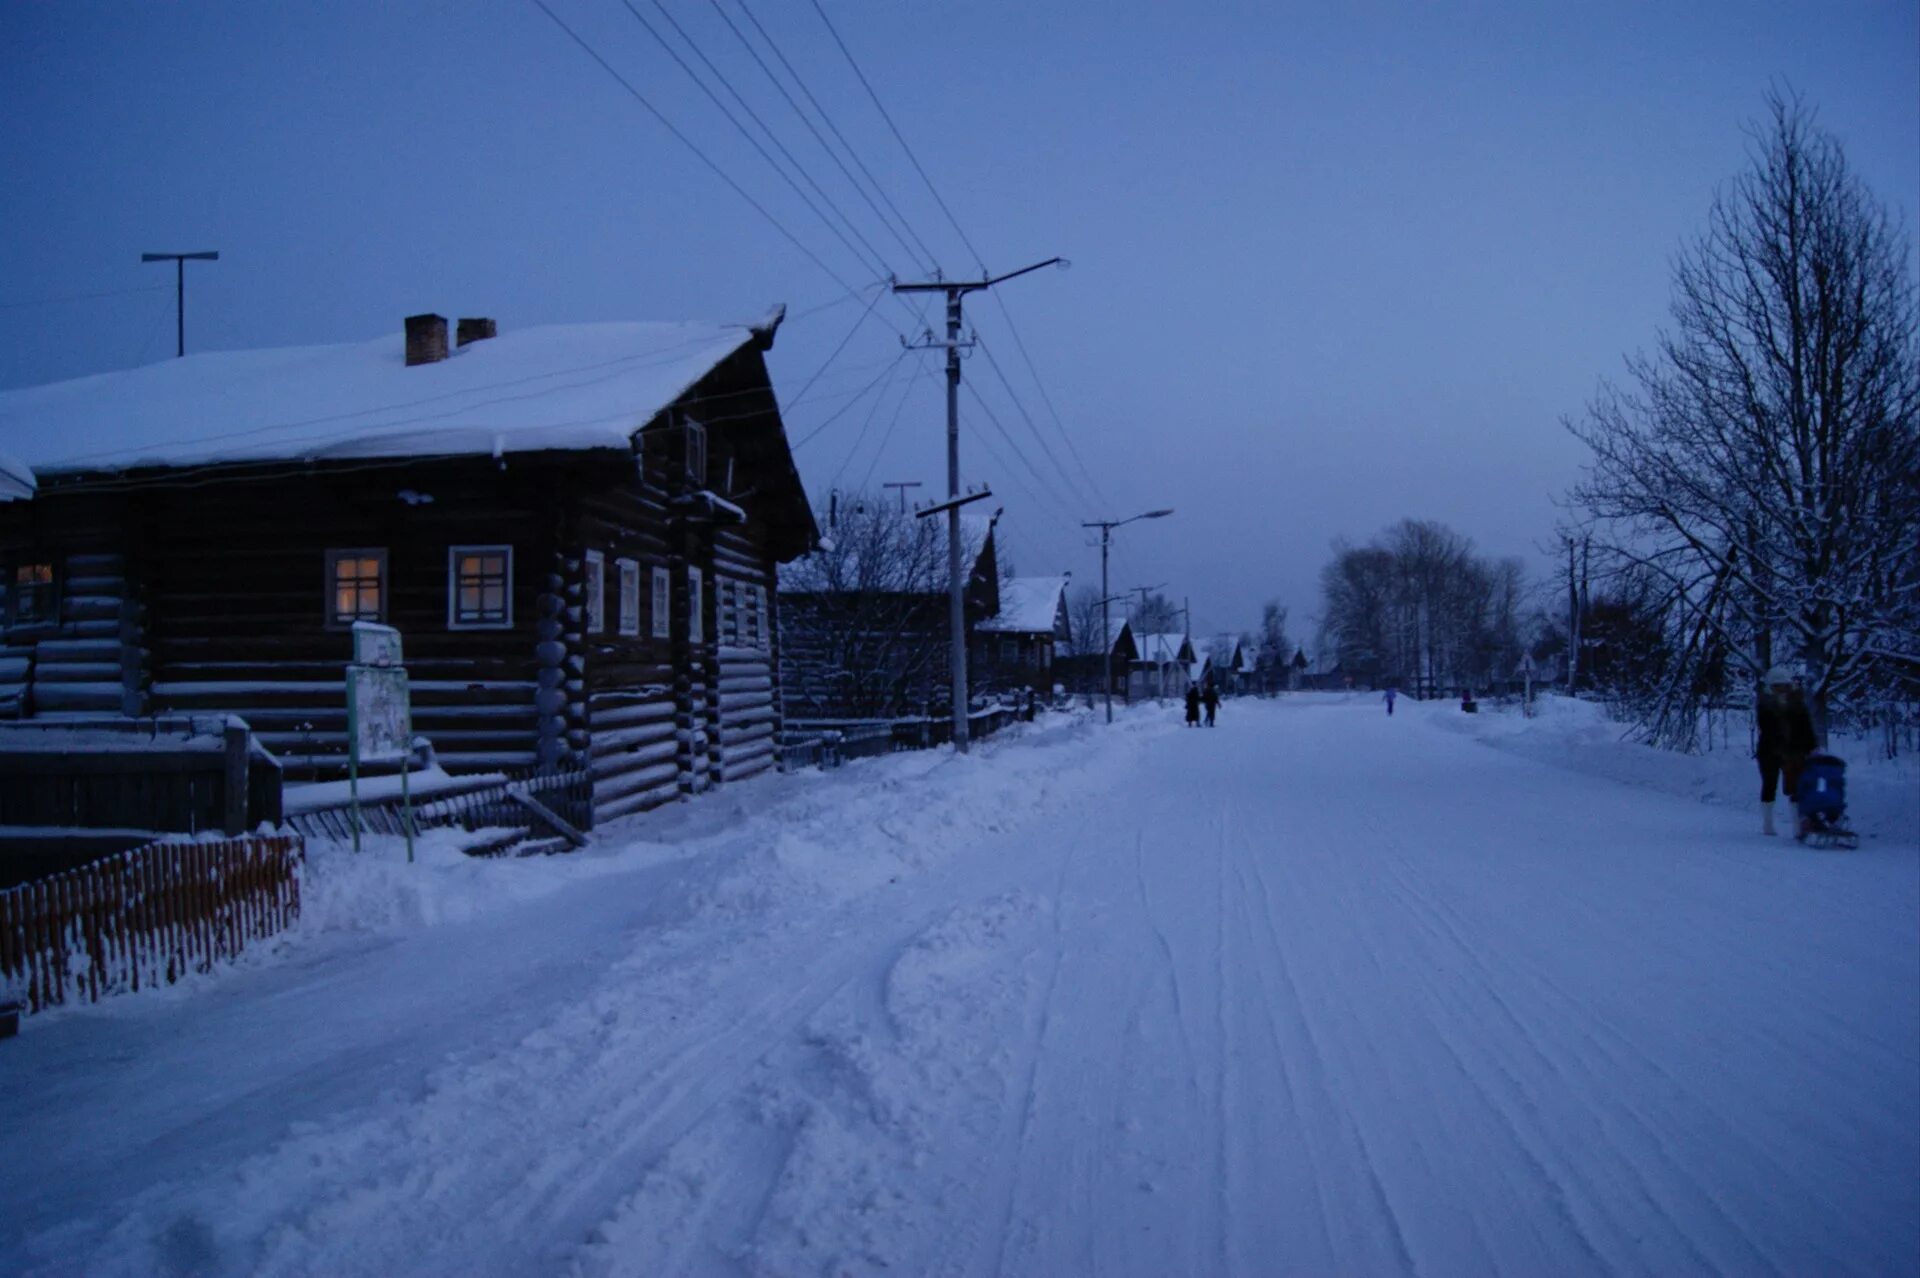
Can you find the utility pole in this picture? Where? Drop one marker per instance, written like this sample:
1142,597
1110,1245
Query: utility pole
180,261
956,579
903,485
1143,592
1106,527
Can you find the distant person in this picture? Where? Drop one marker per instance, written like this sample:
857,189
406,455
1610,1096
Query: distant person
1212,699
1786,739
1193,706
1391,694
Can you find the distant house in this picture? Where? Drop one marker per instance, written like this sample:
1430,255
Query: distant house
866,616
1162,666
1231,663
575,529
1017,646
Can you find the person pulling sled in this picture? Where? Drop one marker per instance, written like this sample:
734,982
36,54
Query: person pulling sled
1786,739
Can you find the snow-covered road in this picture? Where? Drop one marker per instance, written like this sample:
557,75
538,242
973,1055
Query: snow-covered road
1317,991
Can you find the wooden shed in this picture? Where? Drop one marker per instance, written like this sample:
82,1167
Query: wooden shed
575,528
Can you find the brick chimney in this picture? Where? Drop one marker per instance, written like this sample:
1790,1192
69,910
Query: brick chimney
475,330
426,339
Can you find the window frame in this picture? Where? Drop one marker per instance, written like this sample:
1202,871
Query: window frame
694,450
696,605
454,621
627,574
330,596
662,600
596,589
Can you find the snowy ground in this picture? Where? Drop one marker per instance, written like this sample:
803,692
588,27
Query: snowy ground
1316,992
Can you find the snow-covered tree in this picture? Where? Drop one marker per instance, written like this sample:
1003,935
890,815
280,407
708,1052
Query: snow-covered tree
1763,464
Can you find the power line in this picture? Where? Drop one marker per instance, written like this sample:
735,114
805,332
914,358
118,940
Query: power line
886,436
833,128
1045,484
871,303
812,434
1072,486
808,121
82,297
867,425
898,136
878,264
1047,399
704,158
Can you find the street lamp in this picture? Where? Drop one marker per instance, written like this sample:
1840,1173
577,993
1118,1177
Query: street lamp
1106,527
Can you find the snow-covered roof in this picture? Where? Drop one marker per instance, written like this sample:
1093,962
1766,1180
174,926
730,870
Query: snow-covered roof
563,387
1028,605
16,478
1160,648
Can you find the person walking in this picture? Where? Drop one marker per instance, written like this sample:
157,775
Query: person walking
1193,706
1391,693
1786,738
1212,699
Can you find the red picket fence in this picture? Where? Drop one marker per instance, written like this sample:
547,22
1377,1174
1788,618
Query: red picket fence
145,917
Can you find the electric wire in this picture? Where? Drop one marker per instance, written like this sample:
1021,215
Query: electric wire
886,436
1047,399
85,297
807,120
826,118
1045,485
1073,485
898,136
684,140
811,435
876,261
865,426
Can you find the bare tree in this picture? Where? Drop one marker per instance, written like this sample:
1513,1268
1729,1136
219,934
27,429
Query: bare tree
1156,614
1763,464
863,618
1275,650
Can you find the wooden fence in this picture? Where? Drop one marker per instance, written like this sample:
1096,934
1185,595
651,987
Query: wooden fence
567,793
145,917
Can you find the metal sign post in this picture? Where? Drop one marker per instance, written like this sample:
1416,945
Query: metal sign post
379,717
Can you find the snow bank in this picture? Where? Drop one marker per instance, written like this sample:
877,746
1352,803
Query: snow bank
1883,795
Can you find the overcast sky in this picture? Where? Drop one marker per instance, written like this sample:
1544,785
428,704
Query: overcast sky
1333,265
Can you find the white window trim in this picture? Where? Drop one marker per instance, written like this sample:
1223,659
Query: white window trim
334,555
662,603
695,448
696,605
453,587
627,572
596,592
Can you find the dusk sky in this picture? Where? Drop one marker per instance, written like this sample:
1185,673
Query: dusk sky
1332,265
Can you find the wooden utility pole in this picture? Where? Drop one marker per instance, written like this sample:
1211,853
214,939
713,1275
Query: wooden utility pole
956,576
902,485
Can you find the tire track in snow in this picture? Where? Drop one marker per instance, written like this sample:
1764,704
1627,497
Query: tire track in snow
1574,1022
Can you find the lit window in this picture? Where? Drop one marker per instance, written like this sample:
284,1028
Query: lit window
662,604
696,606
356,586
629,596
480,587
596,592
34,600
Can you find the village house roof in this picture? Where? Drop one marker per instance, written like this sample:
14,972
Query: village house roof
1028,605
557,388
1162,649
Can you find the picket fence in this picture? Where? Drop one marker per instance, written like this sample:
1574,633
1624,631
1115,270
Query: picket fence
145,917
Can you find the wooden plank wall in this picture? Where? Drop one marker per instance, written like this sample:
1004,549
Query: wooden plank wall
235,584
90,661
633,752
745,702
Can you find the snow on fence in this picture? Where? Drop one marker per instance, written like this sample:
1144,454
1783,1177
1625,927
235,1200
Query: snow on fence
145,917
828,743
567,793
